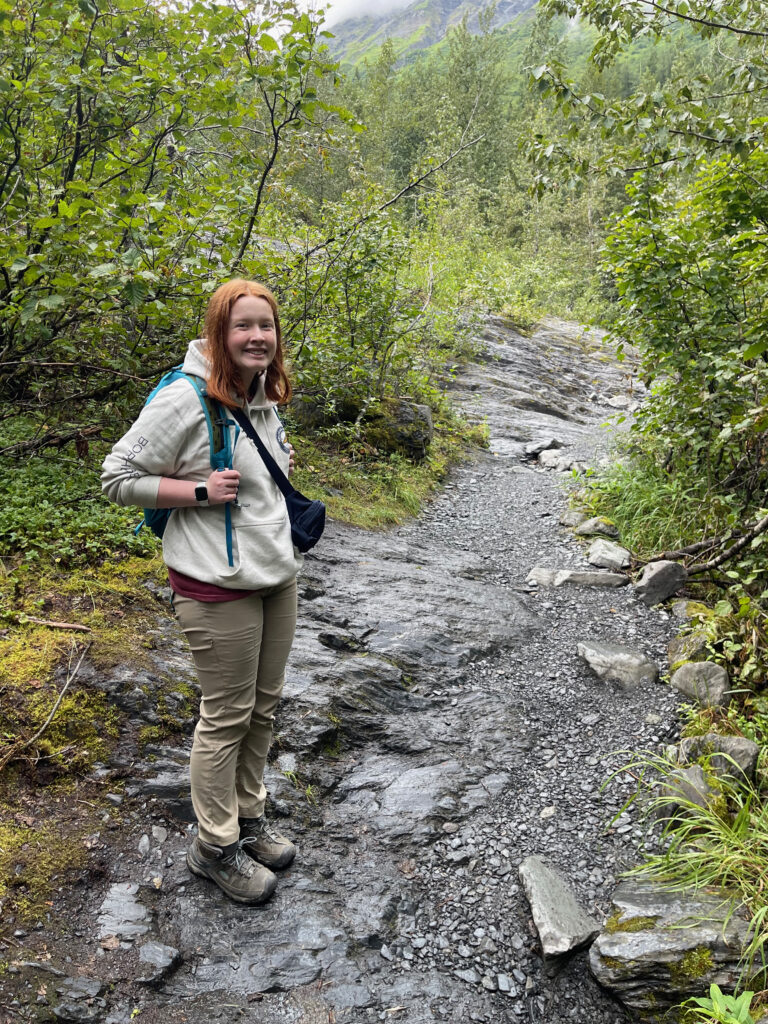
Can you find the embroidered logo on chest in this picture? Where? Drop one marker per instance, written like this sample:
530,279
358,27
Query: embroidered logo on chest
281,439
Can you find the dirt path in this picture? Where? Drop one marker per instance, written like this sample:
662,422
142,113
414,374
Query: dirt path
437,728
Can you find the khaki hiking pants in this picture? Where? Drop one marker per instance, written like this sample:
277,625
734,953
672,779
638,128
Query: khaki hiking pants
240,650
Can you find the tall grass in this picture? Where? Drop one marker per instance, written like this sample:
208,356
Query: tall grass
654,510
721,846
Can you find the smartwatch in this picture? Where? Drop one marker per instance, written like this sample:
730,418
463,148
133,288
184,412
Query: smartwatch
201,494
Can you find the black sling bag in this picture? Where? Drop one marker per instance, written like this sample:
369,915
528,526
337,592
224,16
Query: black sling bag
307,516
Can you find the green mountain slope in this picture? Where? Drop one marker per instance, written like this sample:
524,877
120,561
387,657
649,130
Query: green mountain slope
416,27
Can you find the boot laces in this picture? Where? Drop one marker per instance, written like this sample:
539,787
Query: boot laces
240,862
262,827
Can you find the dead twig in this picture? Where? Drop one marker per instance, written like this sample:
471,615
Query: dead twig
57,625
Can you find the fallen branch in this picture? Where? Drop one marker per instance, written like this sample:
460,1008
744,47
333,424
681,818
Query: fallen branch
57,625
51,439
691,549
13,752
734,549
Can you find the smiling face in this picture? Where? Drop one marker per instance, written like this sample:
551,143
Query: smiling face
252,336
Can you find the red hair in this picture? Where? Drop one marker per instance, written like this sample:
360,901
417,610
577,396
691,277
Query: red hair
224,378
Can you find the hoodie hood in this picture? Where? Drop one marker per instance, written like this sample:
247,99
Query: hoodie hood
196,362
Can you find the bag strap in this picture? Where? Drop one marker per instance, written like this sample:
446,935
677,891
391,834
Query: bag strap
219,443
276,473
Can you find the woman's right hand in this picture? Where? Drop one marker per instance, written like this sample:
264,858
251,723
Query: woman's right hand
222,486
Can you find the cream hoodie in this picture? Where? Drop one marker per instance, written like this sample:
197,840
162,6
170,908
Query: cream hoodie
170,438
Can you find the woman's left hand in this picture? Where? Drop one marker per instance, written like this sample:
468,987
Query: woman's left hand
291,460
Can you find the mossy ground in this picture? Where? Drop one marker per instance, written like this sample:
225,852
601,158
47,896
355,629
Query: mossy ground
47,835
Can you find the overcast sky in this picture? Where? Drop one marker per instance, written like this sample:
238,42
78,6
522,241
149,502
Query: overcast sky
340,10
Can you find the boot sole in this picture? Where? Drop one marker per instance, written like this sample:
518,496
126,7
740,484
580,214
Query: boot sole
251,901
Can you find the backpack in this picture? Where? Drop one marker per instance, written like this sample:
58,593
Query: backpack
218,423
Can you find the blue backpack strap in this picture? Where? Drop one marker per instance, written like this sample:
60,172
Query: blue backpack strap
221,446
219,442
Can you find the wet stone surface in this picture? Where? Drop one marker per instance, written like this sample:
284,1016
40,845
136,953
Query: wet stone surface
438,727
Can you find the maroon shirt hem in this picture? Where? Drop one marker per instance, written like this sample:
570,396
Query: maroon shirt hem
185,586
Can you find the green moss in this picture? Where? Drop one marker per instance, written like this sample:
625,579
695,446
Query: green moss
695,964
32,861
149,734
80,731
29,654
332,748
613,964
631,924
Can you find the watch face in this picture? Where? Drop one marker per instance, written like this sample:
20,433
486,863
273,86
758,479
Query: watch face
201,493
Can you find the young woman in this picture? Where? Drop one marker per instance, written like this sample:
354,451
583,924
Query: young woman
237,608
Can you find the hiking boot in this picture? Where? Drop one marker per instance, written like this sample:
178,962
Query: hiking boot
241,878
265,844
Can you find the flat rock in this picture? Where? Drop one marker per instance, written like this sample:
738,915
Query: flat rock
624,665
705,682
122,914
573,517
729,757
659,581
596,527
540,444
80,988
562,925
662,947
160,960
608,555
581,578
542,576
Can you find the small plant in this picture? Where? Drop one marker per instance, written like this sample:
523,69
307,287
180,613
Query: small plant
720,1008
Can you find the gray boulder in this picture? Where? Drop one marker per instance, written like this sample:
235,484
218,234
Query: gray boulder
541,576
659,581
598,526
685,610
660,947
733,758
158,962
540,444
622,664
399,426
573,517
553,459
562,925
608,555
682,788
688,647
705,682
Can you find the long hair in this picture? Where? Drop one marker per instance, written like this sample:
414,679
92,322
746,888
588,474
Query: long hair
224,378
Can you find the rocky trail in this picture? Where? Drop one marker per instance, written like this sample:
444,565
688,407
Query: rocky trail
438,727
